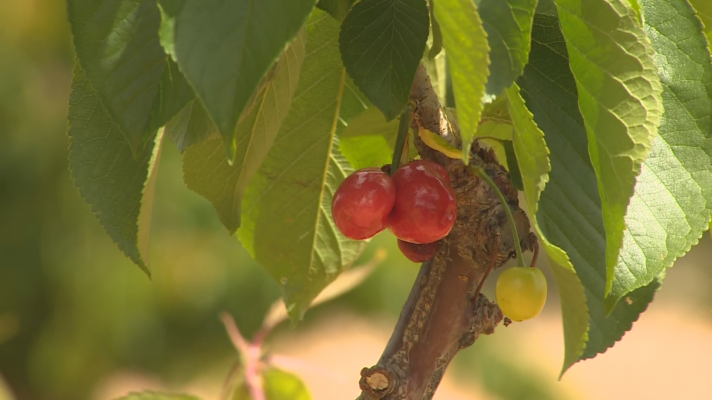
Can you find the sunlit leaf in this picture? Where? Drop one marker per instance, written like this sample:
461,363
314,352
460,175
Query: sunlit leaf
569,213
286,216
704,13
465,42
381,44
205,165
225,48
281,385
118,186
619,95
671,205
276,385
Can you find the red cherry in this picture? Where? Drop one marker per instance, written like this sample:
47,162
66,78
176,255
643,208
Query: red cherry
418,252
362,203
426,207
439,169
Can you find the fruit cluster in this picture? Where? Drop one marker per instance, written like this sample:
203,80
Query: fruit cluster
416,203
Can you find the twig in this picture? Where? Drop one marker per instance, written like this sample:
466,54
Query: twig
249,353
440,317
493,260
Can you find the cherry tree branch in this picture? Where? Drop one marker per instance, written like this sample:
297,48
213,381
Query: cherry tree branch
445,312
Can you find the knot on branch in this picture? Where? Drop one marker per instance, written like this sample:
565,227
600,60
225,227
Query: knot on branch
376,382
485,316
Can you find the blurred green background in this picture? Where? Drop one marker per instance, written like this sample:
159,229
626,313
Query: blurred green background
76,315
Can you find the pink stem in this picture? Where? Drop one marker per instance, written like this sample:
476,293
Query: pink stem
250,354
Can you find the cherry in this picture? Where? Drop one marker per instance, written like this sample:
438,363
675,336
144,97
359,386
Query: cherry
426,207
418,252
521,292
441,171
362,203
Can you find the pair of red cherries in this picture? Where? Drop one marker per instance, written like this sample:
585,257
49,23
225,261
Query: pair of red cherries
416,203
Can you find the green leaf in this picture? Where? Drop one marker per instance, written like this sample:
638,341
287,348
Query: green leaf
225,48
369,140
205,166
436,34
636,7
671,205
381,44
619,95
608,329
276,384
465,42
508,24
118,186
569,214
494,130
437,69
286,216
281,385
533,158
174,95
704,13
150,395
497,111
117,45
190,126
336,8
515,174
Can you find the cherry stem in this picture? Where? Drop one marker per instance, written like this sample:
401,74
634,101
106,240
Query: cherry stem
536,254
517,246
400,140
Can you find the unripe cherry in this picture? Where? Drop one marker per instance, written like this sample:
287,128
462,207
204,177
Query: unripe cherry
362,203
418,252
521,292
425,208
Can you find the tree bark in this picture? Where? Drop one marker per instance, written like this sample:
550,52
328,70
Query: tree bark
443,313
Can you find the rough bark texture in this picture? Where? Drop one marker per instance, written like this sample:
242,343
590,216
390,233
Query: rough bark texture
442,315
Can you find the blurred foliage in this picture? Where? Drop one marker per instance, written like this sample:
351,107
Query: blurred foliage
74,310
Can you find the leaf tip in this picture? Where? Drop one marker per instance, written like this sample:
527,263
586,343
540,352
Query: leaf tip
145,270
